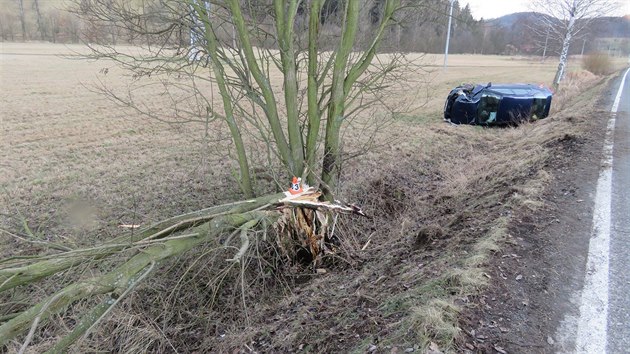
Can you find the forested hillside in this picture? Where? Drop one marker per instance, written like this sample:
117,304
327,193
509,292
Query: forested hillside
606,34
420,27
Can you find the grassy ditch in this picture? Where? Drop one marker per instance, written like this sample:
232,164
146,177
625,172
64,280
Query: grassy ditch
481,185
440,214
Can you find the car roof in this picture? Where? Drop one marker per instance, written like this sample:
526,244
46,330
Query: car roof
518,89
513,86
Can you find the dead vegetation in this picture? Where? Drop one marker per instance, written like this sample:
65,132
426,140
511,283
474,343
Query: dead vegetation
440,198
598,63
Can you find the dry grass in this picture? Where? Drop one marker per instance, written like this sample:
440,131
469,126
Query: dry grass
480,179
74,166
65,146
598,63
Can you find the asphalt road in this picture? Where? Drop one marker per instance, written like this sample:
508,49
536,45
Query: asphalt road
619,268
604,323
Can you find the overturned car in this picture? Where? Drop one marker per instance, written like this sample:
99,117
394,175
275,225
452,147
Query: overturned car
502,104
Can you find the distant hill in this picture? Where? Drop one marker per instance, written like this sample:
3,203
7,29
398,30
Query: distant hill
611,27
508,21
605,27
514,32
421,31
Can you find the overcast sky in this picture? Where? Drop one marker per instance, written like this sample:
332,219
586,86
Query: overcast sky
497,8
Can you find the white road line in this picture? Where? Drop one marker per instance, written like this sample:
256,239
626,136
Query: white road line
615,106
592,325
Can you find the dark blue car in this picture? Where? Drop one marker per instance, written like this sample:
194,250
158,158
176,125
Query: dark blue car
502,104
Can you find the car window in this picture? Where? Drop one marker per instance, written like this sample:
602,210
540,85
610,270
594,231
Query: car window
538,108
488,107
514,91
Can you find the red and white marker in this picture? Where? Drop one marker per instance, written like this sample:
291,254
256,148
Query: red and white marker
296,186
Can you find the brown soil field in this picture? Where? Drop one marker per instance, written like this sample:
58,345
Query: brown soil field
58,133
442,198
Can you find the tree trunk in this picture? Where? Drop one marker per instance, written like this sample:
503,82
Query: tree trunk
285,21
245,180
564,55
271,111
313,111
544,55
341,86
22,19
40,21
331,165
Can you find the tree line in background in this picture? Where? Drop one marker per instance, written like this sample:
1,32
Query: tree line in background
417,30
422,28
28,20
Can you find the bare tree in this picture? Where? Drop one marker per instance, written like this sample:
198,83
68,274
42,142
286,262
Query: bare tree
566,20
342,83
545,45
22,19
7,25
41,26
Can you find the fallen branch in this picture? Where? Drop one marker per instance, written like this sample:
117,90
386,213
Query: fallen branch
39,269
116,281
302,217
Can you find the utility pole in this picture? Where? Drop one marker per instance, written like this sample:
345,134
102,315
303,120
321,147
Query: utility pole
448,34
583,45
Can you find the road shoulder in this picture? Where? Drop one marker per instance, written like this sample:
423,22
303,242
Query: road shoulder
532,302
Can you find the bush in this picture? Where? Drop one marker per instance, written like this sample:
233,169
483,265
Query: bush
597,63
